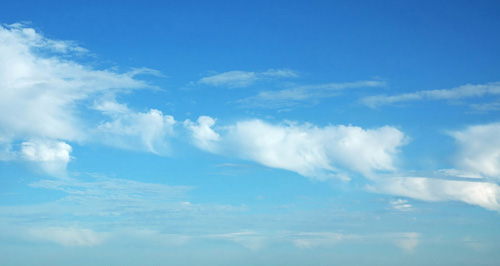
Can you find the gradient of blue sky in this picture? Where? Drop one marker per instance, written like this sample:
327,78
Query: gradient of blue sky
250,133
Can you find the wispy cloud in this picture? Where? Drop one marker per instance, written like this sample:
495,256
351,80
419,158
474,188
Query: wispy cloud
148,131
462,92
240,79
302,94
484,194
479,149
322,153
42,89
401,205
69,236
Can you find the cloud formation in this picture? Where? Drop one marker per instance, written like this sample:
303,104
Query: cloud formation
484,194
461,92
42,91
479,149
321,153
52,156
138,131
240,79
302,94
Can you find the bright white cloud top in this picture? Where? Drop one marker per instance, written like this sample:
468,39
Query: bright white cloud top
231,134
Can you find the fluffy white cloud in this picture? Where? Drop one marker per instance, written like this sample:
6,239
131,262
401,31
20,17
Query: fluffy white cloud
479,149
486,195
52,156
202,133
138,131
40,89
465,91
309,150
42,92
239,79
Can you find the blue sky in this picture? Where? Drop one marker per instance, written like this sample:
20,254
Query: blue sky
250,133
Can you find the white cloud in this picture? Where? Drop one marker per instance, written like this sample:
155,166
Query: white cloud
41,92
240,79
401,205
231,79
138,131
486,195
465,91
280,73
309,150
479,149
459,173
302,94
69,236
202,133
52,156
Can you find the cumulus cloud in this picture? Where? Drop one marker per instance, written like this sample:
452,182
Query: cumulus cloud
311,151
52,156
202,133
138,131
461,92
39,92
240,79
42,92
486,195
479,149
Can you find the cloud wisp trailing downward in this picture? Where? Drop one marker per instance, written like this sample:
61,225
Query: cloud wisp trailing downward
311,151
461,92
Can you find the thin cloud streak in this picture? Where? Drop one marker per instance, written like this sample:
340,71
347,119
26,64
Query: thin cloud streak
302,94
241,79
462,92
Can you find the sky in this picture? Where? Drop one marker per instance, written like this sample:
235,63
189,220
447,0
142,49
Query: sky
250,133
